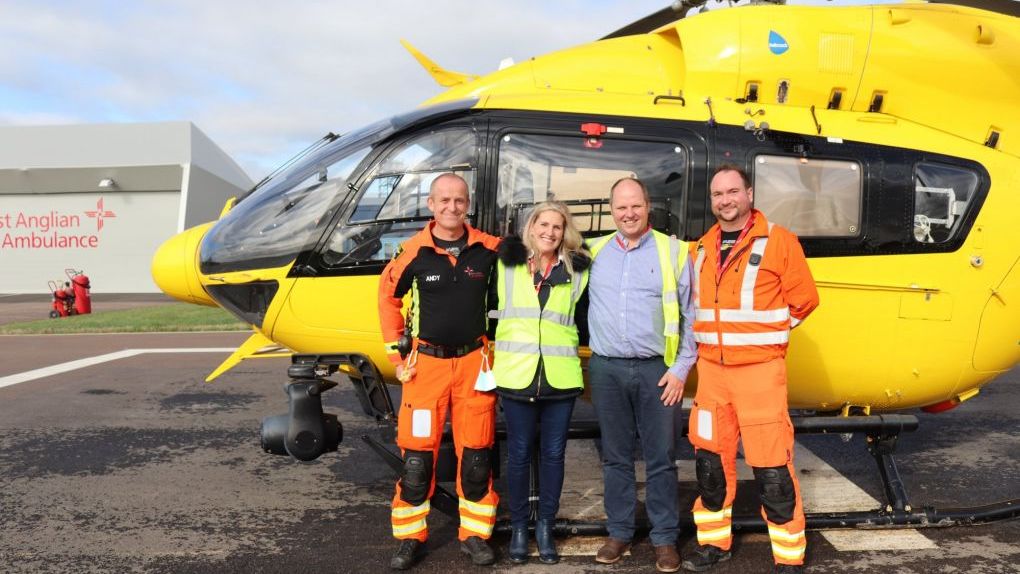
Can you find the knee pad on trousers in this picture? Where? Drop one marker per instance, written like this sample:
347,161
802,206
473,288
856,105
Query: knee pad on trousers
777,495
416,479
711,479
474,473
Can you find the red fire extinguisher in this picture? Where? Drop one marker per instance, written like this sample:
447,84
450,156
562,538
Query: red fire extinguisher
82,291
62,301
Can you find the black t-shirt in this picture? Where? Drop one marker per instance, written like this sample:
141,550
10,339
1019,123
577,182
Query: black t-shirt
451,300
729,239
452,247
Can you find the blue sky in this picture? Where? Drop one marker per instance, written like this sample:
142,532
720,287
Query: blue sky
264,79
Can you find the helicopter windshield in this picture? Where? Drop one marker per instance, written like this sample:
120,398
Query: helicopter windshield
280,217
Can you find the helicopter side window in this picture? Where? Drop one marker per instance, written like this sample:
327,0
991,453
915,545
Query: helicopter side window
811,197
535,168
941,196
393,203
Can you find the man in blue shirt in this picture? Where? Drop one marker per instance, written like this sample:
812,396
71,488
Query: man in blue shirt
642,343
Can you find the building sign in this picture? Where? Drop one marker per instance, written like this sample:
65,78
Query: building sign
53,229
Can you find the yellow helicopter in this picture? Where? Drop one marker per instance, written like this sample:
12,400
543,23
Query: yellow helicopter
887,137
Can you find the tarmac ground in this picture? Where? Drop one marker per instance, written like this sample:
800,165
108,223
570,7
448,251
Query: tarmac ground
129,462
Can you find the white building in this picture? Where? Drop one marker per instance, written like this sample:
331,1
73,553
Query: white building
101,198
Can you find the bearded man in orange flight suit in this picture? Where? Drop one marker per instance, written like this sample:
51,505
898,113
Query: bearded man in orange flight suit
752,285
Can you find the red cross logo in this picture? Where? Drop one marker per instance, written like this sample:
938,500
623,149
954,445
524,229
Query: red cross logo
100,213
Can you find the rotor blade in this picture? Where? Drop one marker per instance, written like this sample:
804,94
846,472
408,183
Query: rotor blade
671,13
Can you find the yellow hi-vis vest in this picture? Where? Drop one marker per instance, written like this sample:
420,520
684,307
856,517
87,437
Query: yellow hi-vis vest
664,244
527,331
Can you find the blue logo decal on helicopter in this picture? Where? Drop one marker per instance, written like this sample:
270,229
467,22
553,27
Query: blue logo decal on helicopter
777,44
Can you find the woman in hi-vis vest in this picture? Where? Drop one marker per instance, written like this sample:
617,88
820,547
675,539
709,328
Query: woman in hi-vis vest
541,276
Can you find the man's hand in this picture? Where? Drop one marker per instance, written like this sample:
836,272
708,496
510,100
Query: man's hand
405,374
674,391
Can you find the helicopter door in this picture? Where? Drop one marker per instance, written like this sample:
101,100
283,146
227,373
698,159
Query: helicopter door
390,205
579,172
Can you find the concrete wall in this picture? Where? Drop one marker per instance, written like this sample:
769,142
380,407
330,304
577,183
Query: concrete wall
205,195
111,236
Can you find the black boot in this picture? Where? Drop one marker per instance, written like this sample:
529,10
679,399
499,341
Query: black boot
406,555
544,538
518,550
479,551
704,557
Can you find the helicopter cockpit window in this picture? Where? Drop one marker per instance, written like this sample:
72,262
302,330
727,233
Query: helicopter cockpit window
271,226
393,204
535,168
941,196
811,197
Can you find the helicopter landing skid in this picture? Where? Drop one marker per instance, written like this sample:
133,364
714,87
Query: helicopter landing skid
882,432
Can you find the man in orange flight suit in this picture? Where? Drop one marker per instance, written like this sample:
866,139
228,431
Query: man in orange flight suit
752,285
447,267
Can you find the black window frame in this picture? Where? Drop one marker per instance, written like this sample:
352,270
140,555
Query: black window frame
860,199
695,143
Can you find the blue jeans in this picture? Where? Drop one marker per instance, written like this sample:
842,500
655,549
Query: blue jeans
626,397
523,420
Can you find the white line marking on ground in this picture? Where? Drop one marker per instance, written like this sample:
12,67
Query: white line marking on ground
98,359
576,546
863,540
824,490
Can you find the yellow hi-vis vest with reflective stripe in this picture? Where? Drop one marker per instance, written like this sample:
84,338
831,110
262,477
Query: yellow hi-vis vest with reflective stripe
670,273
527,331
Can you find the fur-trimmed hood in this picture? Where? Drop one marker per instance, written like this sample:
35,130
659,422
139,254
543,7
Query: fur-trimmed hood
512,251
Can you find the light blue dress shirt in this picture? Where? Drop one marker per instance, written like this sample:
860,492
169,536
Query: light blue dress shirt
625,316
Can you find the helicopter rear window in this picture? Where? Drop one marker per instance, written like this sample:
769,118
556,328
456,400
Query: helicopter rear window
536,168
941,196
393,204
811,197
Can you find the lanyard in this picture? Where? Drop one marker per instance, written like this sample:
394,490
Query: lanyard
623,245
718,246
545,275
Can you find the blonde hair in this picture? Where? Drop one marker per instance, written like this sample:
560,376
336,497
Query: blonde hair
572,241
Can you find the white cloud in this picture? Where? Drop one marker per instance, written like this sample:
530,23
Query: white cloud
265,78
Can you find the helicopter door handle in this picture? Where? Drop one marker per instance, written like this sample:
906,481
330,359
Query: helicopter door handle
680,99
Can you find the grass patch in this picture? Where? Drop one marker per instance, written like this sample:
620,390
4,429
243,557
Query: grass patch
159,318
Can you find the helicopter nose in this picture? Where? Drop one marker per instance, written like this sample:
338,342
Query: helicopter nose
175,267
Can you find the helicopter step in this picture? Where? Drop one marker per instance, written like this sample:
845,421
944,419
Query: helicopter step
882,433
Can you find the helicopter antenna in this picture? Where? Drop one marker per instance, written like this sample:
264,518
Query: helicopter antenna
442,76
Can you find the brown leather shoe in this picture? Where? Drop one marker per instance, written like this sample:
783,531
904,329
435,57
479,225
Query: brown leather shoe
611,551
667,559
